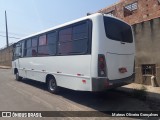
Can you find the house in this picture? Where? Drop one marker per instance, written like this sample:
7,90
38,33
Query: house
144,16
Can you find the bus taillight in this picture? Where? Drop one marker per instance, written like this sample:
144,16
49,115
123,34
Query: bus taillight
101,65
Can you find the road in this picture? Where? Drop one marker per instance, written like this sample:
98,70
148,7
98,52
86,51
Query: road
29,95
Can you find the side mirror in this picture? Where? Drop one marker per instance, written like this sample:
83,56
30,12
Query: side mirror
18,55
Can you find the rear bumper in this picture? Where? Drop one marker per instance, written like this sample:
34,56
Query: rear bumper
101,84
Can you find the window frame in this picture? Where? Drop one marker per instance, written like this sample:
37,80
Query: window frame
113,37
89,34
41,45
132,11
39,39
158,2
46,33
35,46
15,56
150,67
56,32
89,42
26,48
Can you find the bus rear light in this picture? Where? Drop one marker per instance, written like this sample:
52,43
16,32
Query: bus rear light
101,66
101,59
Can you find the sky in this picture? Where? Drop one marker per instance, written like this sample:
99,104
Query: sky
26,17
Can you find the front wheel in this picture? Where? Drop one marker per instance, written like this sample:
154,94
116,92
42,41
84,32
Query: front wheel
18,78
52,85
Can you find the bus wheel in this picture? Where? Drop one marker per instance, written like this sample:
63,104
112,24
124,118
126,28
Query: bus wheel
18,78
52,85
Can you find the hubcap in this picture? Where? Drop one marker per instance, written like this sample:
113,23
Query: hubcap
17,75
52,85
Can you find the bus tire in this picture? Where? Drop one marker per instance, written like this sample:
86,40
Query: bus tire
52,85
18,78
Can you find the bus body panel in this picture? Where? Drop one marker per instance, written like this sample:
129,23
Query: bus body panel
117,54
97,35
69,71
117,61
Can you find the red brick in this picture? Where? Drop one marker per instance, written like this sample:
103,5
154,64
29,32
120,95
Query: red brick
147,9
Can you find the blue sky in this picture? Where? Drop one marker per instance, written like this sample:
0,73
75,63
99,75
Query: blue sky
29,16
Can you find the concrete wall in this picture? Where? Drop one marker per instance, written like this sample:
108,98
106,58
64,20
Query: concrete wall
6,56
147,36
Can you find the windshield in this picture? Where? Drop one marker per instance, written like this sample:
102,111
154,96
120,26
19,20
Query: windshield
117,30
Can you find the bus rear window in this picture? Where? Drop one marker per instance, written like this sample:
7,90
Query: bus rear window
118,30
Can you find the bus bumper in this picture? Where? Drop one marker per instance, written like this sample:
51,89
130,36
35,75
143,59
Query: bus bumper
101,84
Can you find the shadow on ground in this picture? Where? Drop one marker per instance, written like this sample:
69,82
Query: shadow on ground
111,100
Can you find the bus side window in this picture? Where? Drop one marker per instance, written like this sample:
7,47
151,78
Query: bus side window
18,51
73,40
80,39
28,47
34,46
42,46
65,41
52,43
22,47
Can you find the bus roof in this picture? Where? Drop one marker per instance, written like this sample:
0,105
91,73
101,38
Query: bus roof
68,23
62,25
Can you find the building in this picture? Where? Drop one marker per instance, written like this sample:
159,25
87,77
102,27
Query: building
144,16
134,11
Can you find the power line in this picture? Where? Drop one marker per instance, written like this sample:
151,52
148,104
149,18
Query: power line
9,37
17,34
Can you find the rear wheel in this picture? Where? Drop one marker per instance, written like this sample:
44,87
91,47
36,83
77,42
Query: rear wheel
18,78
52,85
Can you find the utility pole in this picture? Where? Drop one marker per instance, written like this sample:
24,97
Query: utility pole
6,29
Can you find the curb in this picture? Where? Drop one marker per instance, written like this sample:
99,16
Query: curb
5,67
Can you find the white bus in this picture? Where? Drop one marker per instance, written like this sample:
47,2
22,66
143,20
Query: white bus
93,53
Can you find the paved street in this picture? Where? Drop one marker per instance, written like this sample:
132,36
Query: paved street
29,95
